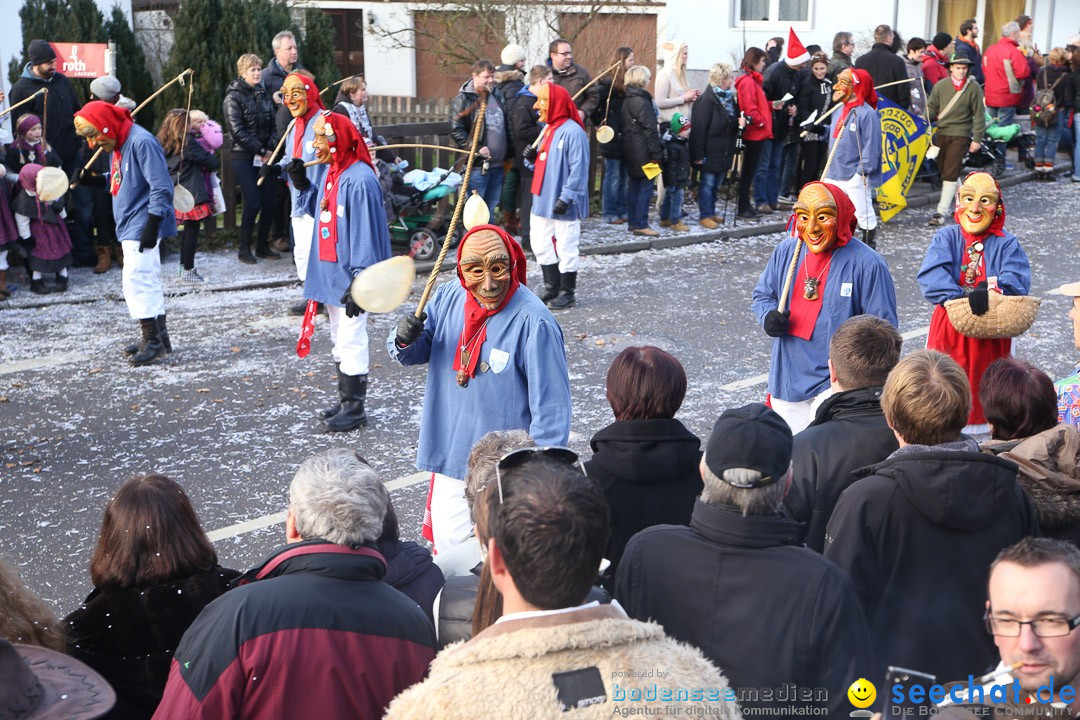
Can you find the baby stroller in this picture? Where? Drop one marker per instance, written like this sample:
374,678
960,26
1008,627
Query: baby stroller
991,156
421,208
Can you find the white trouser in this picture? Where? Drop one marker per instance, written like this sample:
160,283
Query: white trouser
303,228
555,241
142,281
948,190
798,415
350,339
3,260
450,519
861,193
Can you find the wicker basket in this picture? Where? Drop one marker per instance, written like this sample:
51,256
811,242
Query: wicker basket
1008,316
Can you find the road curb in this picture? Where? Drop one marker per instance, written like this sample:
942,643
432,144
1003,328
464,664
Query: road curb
616,248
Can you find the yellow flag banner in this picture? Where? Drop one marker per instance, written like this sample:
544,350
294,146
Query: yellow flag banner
904,142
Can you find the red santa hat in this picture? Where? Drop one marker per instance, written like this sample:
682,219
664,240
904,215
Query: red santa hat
796,52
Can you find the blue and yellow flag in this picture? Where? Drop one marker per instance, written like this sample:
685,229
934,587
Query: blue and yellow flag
904,142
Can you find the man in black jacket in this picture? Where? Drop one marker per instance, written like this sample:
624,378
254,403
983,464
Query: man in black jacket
849,430
779,158
885,66
487,178
738,584
918,532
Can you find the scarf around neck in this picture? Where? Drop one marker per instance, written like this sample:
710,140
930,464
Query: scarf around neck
347,148
864,94
560,109
112,121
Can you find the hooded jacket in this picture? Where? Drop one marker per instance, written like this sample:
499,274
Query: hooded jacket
758,604
410,570
885,66
524,126
59,131
507,670
849,432
752,103
312,632
712,132
917,534
1050,475
972,52
649,472
129,635
933,68
249,119
641,138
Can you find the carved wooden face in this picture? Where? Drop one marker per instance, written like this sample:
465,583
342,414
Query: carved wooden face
323,140
485,266
103,138
815,218
294,95
543,99
844,87
978,201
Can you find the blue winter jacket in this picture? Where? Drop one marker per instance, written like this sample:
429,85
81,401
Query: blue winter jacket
145,187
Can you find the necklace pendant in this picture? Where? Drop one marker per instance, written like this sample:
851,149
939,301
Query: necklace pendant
810,286
465,357
462,378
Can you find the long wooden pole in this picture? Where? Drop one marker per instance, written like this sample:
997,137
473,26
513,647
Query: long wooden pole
24,101
448,239
144,103
540,137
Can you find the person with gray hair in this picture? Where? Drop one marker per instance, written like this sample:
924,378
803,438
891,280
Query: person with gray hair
286,60
749,571
317,603
843,45
1005,69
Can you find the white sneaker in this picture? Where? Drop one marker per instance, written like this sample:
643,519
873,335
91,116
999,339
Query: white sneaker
191,277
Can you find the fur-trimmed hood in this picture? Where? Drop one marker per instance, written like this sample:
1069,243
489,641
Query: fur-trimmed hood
1049,472
526,654
508,75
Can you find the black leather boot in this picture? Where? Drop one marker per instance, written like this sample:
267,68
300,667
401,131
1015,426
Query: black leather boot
551,282
352,415
868,238
38,287
244,254
134,348
61,283
153,348
332,411
566,295
164,331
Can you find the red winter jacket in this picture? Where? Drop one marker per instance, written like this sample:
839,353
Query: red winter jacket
933,67
1005,50
753,104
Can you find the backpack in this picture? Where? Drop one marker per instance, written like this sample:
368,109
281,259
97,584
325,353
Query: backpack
1044,107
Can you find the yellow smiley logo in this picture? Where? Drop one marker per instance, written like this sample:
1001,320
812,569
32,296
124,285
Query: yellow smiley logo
862,693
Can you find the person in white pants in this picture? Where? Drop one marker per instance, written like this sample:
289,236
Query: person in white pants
142,199
854,163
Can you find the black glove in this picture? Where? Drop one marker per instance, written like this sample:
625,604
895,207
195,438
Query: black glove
269,170
148,239
57,206
529,154
27,243
979,299
89,179
561,207
409,329
351,308
297,174
776,323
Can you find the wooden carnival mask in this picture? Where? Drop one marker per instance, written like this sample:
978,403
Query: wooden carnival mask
977,202
294,94
816,217
844,87
95,138
543,100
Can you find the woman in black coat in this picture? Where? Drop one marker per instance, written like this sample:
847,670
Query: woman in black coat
609,112
646,461
153,570
249,120
641,146
815,96
190,166
712,139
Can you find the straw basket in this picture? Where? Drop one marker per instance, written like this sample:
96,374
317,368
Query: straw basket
1008,316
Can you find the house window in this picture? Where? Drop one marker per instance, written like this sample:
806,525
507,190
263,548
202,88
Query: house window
774,11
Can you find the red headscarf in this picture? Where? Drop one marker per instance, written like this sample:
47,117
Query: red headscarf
347,148
863,85
314,105
996,225
475,330
560,109
804,313
111,121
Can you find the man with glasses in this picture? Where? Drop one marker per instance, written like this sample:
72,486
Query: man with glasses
745,559
551,651
568,74
843,46
1032,613
496,362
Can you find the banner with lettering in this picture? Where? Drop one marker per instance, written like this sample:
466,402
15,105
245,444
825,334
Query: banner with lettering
80,60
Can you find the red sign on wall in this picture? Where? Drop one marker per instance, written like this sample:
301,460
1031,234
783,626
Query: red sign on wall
80,60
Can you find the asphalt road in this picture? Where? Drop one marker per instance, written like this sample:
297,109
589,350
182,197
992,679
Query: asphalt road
232,412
